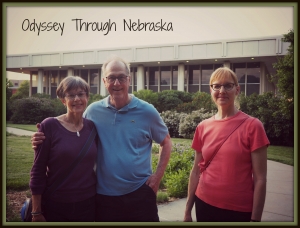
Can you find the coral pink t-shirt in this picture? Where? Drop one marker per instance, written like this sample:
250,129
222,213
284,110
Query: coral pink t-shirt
227,182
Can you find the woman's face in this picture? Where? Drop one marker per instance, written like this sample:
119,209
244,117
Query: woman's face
76,101
225,96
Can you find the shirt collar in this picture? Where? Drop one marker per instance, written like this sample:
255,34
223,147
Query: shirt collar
133,104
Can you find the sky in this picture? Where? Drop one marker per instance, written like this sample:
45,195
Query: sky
185,24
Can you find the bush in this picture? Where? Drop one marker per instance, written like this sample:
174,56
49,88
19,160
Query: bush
31,110
94,97
172,119
170,99
148,96
162,197
178,171
275,115
189,122
200,100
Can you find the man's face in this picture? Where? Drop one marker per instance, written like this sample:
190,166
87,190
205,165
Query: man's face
118,88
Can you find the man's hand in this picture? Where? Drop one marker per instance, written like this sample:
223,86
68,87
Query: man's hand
37,138
153,182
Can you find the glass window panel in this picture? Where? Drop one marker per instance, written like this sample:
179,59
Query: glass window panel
253,73
205,88
62,75
252,88
165,75
34,78
153,75
193,88
84,74
175,75
94,77
54,78
240,71
206,71
242,86
216,66
76,72
133,71
194,74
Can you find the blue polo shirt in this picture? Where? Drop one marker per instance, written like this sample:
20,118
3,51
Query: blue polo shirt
124,151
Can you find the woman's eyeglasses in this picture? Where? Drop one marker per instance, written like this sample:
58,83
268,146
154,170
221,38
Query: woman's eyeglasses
227,87
79,95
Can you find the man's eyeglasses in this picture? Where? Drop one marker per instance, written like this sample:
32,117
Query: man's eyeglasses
227,87
79,95
112,79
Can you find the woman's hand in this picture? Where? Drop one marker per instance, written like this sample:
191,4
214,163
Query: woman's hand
38,218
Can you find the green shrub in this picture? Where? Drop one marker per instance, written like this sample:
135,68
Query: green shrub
148,96
178,170
172,119
275,114
170,99
94,97
31,110
189,122
162,197
200,100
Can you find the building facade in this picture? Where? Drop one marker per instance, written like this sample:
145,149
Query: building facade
183,67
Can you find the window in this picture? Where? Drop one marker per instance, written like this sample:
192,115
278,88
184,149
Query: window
206,71
153,78
165,78
194,78
248,75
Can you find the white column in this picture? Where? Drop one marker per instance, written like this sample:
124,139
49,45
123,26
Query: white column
99,81
180,83
49,82
89,78
140,84
40,81
70,72
30,85
103,91
46,82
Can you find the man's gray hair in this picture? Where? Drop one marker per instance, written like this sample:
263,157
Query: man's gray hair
118,59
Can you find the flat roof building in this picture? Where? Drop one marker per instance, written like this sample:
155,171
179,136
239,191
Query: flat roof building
184,66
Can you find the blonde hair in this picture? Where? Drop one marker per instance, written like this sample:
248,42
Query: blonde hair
221,73
70,83
225,72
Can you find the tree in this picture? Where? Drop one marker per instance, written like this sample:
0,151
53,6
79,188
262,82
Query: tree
284,77
22,92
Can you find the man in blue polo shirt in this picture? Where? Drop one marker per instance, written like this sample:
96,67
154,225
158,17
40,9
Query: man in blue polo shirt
126,125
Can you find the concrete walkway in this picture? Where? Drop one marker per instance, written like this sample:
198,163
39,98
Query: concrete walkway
19,131
279,206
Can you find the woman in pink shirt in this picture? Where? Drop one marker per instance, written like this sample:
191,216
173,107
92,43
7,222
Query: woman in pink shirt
233,187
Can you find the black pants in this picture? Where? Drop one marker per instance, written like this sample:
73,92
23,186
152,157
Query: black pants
137,206
83,211
208,213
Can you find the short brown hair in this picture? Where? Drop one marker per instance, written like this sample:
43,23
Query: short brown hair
70,83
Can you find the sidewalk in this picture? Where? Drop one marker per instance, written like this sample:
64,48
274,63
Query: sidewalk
279,205
19,131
